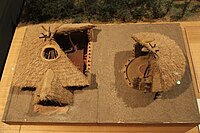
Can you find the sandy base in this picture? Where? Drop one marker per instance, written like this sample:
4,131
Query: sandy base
119,103
110,99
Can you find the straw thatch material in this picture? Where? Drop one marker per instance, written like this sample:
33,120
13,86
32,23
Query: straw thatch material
51,89
170,66
32,67
66,29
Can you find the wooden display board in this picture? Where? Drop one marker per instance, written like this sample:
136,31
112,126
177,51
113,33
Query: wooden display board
122,128
192,38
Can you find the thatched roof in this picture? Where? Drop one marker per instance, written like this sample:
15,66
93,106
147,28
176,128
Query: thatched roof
75,27
50,88
171,62
31,67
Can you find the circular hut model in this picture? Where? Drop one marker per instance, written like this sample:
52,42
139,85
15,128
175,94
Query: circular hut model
157,64
49,72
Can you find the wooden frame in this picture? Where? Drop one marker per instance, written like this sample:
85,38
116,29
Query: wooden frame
5,83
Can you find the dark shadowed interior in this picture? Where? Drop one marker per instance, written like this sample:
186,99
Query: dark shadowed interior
74,45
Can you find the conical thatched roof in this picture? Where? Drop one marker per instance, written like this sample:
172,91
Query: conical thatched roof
32,67
171,63
50,88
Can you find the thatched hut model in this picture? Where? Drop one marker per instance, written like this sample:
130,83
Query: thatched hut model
47,67
157,65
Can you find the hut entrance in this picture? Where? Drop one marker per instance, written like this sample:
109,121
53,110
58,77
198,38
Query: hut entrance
51,103
75,45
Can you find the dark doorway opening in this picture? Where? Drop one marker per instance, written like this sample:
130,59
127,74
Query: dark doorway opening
50,103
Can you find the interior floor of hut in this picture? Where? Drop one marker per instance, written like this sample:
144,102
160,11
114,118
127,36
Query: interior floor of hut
74,45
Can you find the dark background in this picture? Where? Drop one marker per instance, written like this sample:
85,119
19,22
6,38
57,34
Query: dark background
9,17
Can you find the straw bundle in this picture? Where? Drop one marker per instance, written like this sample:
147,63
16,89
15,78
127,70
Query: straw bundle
169,68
